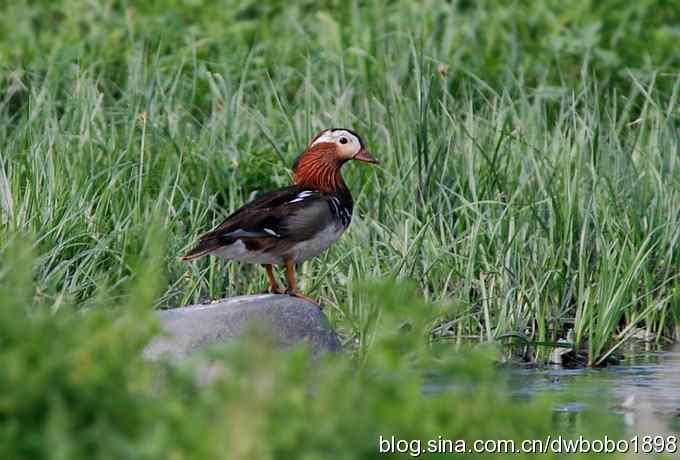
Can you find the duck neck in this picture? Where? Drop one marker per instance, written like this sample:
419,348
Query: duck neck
317,167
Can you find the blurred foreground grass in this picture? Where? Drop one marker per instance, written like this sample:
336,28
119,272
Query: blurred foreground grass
74,386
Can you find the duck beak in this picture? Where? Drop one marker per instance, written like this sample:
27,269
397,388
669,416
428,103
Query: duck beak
365,155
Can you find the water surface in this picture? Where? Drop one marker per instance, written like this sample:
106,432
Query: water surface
644,390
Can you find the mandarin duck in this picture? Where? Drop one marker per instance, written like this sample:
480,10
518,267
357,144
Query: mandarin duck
296,223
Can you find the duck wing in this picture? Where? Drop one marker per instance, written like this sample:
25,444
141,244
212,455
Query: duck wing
271,222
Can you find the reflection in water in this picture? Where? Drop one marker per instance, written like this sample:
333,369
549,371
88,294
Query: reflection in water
645,392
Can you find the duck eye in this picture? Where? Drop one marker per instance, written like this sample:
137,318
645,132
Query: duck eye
343,140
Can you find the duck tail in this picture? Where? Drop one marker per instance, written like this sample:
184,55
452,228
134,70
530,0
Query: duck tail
203,248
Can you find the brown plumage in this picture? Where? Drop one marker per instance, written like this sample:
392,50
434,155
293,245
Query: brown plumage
295,223
318,167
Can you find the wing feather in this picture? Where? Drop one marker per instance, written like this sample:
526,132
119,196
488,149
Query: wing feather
293,213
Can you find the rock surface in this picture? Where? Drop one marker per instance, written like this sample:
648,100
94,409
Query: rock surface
288,321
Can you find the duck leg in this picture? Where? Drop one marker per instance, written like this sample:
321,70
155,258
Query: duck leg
273,286
292,283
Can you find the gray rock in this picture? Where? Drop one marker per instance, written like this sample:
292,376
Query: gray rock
287,320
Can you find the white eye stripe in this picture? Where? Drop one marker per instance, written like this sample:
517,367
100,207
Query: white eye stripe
334,136
350,137
325,137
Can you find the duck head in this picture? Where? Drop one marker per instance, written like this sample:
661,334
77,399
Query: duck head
319,165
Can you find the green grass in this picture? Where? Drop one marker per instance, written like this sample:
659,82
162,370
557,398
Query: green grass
76,387
532,184
528,188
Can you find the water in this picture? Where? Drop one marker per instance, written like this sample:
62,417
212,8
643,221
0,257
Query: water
644,391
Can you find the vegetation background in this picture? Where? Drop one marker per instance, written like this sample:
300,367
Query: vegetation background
528,191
